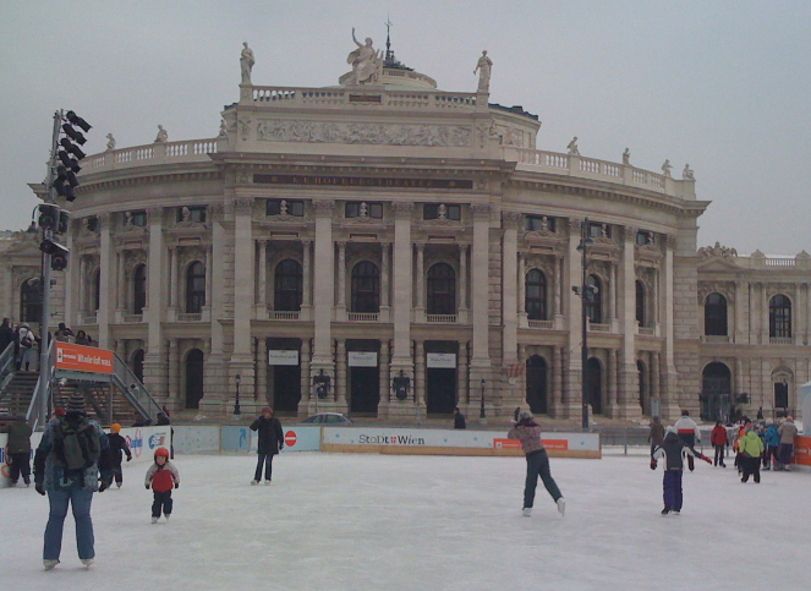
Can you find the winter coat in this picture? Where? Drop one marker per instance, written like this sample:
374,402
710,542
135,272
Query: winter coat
673,451
118,447
772,436
719,435
162,478
6,337
529,434
788,431
49,470
656,435
686,427
459,421
751,445
26,338
271,438
19,438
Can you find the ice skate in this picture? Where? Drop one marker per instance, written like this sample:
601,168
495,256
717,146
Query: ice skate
267,482
665,511
526,511
166,517
676,512
254,482
154,520
561,502
49,564
118,485
87,562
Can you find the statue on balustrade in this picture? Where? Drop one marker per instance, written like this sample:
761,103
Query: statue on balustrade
366,62
626,156
572,147
666,167
484,66
246,62
687,173
110,142
162,136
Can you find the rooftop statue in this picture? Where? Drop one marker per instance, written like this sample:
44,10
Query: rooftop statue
246,62
717,251
483,67
572,147
687,173
162,136
110,142
666,167
366,62
626,156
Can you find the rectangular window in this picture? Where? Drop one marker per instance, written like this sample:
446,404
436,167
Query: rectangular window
781,395
363,209
599,230
539,223
436,211
138,218
643,238
284,207
195,214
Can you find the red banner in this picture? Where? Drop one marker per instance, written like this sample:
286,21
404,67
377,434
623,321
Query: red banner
556,444
802,450
70,357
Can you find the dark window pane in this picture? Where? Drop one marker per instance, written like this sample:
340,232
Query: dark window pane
535,296
273,207
139,289
441,289
780,317
288,286
430,211
195,288
352,210
365,288
31,301
295,208
640,303
376,210
715,315
594,308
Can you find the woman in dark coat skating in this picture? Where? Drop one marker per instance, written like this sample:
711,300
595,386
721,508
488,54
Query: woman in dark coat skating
271,442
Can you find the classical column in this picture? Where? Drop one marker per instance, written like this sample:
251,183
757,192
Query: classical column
509,295
613,289
215,372
522,286
798,317
154,364
324,288
764,313
419,377
244,278
629,374
341,373
173,391
655,378
420,307
120,288
461,375
107,279
808,319
262,287
558,287
209,287
480,280
306,296
70,282
403,288
385,270
82,280
262,370
341,307
556,398
383,369
306,390
572,366
669,407
611,382
654,305
463,282
173,283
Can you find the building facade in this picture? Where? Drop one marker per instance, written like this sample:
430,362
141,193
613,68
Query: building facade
385,229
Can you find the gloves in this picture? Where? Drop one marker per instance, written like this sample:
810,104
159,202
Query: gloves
177,485
129,458
39,488
653,464
146,486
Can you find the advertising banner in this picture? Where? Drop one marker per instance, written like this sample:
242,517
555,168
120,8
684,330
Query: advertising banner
452,442
296,438
70,357
802,450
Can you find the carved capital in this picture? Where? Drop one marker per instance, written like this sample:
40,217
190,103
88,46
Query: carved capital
402,208
481,211
243,205
511,220
154,213
324,207
670,241
575,225
630,233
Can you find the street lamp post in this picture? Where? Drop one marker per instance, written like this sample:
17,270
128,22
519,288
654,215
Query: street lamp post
585,292
237,410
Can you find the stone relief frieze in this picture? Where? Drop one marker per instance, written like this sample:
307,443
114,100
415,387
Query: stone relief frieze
363,133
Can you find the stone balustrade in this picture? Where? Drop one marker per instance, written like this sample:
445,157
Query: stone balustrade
150,154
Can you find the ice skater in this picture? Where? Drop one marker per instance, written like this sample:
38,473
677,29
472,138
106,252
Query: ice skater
719,441
271,442
528,432
162,477
673,450
118,447
751,448
689,434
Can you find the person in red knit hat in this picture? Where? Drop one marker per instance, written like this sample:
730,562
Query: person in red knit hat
162,477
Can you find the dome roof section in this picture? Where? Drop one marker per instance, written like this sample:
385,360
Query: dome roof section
396,78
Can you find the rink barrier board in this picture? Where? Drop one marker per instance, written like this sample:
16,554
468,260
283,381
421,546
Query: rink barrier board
452,451
802,450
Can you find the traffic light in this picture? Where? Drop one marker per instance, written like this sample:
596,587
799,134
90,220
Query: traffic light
69,155
59,254
54,218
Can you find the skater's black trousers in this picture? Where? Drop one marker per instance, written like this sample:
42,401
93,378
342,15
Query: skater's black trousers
719,455
538,465
267,461
751,466
162,500
20,466
117,473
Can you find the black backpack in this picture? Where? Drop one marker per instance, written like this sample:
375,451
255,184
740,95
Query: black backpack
76,444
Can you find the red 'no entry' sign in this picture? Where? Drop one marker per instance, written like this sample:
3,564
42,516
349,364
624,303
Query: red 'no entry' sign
290,438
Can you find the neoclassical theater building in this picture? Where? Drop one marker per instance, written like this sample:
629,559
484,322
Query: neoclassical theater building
383,228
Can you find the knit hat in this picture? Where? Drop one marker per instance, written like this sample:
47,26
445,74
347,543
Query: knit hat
59,411
75,403
115,428
524,415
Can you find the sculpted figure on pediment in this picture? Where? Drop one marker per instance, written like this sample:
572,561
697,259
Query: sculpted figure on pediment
364,133
717,251
484,67
365,60
246,62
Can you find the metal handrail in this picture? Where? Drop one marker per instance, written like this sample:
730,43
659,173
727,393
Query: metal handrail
6,367
33,414
135,391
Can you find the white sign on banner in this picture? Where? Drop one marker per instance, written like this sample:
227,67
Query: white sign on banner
362,359
282,357
442,360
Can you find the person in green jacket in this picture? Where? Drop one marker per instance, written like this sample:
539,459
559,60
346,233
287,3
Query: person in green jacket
751,449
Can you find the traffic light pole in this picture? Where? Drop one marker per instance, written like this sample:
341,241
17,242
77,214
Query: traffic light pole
45,284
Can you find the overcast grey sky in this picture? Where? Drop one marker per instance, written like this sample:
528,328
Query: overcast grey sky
723,85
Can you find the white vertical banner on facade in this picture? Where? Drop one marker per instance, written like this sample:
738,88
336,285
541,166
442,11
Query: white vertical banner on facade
282,357
441,360
362,359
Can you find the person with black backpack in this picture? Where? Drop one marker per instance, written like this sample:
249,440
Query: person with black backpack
72,453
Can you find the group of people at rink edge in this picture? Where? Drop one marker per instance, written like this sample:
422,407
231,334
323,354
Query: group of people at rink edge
76,458
766,443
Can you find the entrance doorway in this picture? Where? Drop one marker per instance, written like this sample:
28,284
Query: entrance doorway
716,392
363,375
284,375
594,385
536,384
440,376
194,378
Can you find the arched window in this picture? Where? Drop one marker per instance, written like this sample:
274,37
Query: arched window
138,364
287,286
139,289
594,300
715,315
365,287
780,317
195,288
31,300
535,295
640,303
96,303
441,289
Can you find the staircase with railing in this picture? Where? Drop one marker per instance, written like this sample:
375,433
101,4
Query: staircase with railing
6,367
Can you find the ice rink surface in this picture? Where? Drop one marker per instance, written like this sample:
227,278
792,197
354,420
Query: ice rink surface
340,521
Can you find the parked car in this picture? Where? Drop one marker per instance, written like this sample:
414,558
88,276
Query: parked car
334,419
